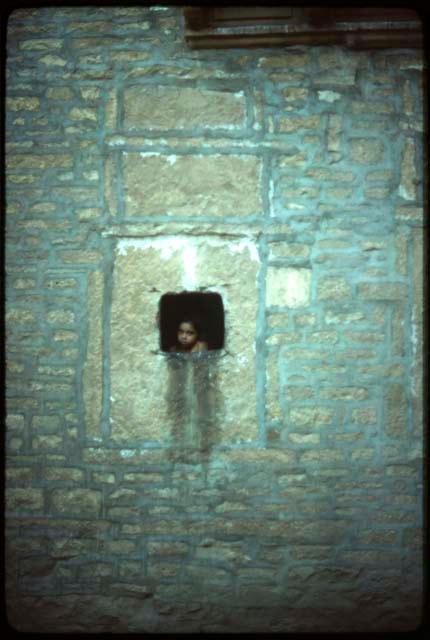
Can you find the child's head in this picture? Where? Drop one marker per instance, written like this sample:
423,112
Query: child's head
188,332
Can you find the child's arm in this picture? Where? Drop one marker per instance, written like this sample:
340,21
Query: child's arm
200,346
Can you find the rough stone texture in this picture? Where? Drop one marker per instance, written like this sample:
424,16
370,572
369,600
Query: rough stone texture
366,151
164,107
278,486
191,185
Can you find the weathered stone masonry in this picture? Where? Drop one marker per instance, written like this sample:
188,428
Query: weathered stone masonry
290,182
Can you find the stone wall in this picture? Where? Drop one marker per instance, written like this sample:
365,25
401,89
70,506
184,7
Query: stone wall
285,492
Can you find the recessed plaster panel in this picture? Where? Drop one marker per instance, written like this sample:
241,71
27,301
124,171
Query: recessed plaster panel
141,378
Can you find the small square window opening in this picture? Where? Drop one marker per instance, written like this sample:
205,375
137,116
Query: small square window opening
191,321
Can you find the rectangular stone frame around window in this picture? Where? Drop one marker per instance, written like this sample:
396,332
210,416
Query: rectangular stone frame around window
136,374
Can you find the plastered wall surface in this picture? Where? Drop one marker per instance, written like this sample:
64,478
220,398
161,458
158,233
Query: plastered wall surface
273,486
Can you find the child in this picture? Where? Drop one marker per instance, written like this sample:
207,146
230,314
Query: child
188,337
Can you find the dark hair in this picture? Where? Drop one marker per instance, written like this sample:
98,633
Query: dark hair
194,320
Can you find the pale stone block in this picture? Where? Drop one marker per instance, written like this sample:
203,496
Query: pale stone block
288,287
344,393
396,421
288,60
289,125
154,396
41,44
293,94
288,250
166,107
39,161
322,456
111,110
83,114
310,416
307,438
364,416
329,96
79,501
259,456
273,407
408,178
414,215
53,61
59,93
383,291
46,424
46,442
333,175
19,316
365,107
64,475
23,104
129,56
367,150
80,257
60,317
192,184
93,368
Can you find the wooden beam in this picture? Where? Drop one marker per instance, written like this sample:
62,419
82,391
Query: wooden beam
353,40
359,28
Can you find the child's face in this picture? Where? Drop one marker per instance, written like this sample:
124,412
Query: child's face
187,335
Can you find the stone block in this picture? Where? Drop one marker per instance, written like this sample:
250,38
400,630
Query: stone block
27,103
310,416
168,548
59,93
306,439
288,287
408,177
64,474
103,478
293,251
367,150
46,424
24,499
382,291
83,114
80,256
168,107
129,56
15,422
93,368
273,407
288,60
396,411
410,214
46,442
192,185
41,44
19,316
292,124
295,94
39,161
364,416
344,393
322,456
86,502
60,317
